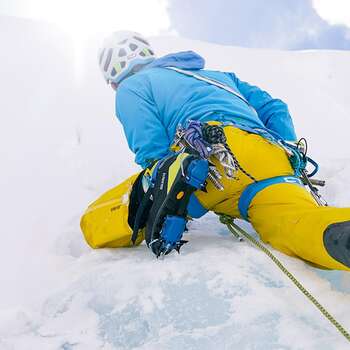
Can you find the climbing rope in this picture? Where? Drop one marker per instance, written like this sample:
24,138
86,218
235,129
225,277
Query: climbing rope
239,233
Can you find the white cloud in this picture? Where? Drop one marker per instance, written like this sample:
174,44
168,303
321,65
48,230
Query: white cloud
334,11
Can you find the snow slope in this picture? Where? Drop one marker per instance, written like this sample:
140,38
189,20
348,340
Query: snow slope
61,147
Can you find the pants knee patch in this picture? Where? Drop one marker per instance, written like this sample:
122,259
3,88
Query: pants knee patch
336,240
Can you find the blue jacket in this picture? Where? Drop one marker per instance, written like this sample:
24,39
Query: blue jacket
153,102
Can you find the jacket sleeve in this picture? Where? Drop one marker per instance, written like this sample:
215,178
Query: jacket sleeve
272,112
145,133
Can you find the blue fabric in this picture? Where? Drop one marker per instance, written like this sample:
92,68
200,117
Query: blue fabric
173,228
251,191
183,60
130,67
194,208
153,102
197,173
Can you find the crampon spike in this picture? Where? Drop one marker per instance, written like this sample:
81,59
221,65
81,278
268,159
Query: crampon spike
180,244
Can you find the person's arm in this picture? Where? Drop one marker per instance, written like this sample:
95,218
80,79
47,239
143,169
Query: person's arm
272,112
145,133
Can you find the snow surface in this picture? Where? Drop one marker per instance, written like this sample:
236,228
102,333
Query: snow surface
61,147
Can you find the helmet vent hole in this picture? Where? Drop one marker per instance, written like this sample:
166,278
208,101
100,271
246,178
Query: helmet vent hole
114,72
133,47
151,52
122,53
101,55
122,64
108,60
142,54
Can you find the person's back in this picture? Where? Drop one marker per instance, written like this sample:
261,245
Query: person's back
157,99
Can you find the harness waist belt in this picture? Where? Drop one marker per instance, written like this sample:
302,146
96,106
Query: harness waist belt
251,191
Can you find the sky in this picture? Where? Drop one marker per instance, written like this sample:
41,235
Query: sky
282,24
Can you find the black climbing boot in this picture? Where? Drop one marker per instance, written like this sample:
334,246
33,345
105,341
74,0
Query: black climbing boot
336,240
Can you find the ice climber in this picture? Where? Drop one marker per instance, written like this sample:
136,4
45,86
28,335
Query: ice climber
207,141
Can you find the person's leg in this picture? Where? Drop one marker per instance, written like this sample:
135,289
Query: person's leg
106,222
284,215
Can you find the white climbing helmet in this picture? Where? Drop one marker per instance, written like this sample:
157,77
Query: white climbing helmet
124,53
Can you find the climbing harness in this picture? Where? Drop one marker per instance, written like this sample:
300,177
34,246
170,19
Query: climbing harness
208,141
239,233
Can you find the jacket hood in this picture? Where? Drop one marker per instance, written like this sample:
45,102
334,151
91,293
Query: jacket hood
183,59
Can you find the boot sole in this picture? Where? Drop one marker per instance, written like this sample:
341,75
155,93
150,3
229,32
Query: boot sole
336,240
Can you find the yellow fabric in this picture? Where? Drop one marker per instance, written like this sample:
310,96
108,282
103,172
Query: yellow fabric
258,156
285,215
105,222
174,168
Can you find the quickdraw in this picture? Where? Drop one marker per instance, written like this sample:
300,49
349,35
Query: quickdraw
209,141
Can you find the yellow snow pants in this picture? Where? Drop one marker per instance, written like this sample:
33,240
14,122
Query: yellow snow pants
285,215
